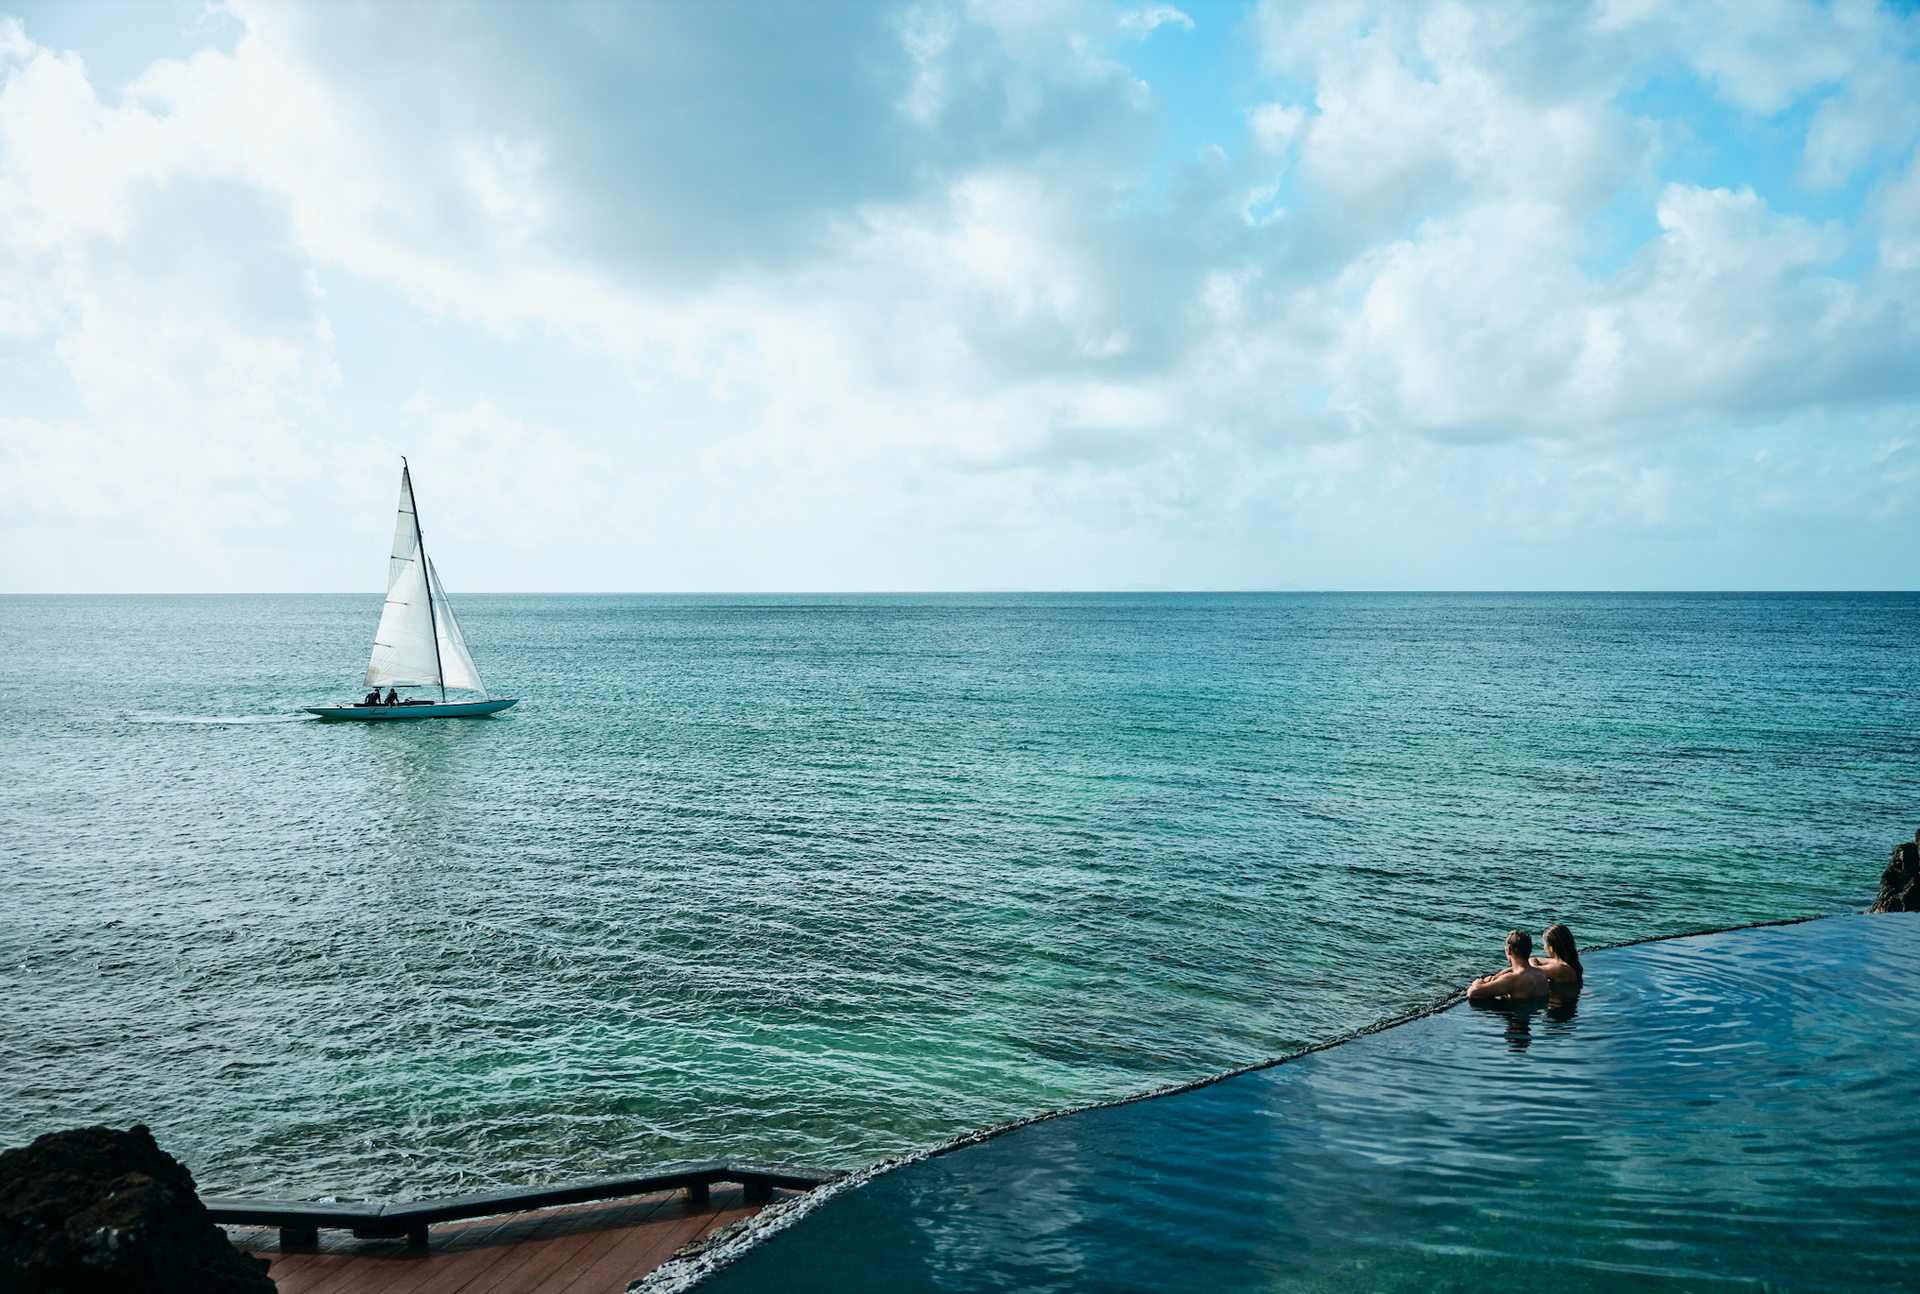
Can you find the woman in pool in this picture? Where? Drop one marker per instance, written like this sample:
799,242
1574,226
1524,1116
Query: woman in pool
1562,962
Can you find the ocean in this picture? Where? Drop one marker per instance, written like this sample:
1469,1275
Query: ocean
824,878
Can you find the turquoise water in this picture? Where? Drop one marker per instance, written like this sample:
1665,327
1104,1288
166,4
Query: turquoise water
825,878
1733,1111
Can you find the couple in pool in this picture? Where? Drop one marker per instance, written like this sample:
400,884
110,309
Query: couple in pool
1527,976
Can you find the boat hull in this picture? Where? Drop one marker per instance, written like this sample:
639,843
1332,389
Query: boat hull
389,713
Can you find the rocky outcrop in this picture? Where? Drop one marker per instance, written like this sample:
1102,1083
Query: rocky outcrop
1900,883
95,1210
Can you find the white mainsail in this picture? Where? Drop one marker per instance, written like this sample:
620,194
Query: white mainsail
406,530
403,646
419,643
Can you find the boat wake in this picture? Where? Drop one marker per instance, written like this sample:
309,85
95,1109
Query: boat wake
217,718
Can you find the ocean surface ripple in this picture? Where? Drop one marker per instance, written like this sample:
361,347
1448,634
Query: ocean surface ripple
824,878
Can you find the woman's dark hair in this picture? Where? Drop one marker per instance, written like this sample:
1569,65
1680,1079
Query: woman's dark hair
1560,944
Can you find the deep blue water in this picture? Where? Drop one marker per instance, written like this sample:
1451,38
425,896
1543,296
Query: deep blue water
826,878
1732,1111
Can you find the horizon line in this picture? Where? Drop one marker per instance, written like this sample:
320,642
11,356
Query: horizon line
1133,591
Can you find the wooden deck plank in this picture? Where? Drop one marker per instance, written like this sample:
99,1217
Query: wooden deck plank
592,1248
640,1252
600,1241
666,1234
345,1262
662,1240
595,1257
532,1261
473,1267
537,1262
385,1266
369,1265
288,1265
477,1268
632,1254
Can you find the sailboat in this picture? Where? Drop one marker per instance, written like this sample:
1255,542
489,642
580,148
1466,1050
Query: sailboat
418,643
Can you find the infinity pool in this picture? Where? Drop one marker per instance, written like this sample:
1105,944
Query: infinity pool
1726,1111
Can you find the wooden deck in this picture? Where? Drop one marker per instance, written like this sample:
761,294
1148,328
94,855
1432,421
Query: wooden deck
580,1249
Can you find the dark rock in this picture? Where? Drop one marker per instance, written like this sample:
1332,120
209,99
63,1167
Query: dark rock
1900,883
95,1210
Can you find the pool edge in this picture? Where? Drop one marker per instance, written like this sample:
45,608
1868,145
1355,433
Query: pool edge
703,1258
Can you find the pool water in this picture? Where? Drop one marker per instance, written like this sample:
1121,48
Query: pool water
1728,1111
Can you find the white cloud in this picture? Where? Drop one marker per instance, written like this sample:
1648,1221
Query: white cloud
887,287
1275,126
1138,22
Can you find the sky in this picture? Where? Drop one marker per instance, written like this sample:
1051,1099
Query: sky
843,296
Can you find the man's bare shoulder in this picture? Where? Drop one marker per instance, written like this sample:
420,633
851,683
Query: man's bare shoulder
1511,983
1498,984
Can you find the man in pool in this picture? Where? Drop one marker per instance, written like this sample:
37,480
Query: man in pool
1521,980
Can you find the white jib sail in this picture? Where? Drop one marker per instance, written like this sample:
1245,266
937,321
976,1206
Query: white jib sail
456,662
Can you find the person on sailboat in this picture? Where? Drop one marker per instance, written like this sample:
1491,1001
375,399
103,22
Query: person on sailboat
373,698
393,696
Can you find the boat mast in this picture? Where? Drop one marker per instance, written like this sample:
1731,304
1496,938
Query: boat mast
426,573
